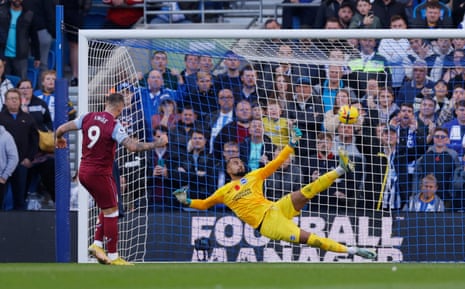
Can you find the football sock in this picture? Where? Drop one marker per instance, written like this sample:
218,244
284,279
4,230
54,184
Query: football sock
320,184
99,228
111,233
326,244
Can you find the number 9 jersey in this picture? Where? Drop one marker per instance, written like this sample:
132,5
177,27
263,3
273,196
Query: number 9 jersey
100,134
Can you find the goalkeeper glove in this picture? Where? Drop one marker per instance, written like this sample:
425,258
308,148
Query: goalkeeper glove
296,135
181,195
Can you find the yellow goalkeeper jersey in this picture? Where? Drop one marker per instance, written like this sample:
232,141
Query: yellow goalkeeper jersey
245,196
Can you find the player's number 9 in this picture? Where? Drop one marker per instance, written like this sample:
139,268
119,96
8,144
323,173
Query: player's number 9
93,133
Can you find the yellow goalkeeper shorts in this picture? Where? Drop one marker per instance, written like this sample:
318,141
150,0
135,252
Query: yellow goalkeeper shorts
278,224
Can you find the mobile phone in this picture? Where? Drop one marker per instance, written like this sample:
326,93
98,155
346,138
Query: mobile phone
161,162
370,13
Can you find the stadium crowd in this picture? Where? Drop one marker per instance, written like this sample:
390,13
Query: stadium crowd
407,145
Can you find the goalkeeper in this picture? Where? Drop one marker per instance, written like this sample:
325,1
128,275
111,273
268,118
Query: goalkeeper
244,196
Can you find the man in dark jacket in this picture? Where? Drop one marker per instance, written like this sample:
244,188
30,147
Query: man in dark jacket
15,48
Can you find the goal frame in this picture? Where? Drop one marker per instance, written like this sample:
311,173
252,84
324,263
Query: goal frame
86,35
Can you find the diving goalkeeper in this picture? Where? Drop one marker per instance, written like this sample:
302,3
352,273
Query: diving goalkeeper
244,196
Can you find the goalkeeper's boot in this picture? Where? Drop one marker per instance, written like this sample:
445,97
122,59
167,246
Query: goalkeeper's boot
121,262
99,254
345,162
365,253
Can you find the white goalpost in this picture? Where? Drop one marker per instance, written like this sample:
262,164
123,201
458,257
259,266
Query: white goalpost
300,73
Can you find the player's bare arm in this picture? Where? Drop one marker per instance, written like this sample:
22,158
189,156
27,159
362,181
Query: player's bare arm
134,145
60,141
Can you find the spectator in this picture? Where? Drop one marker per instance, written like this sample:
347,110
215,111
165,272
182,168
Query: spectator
231,78
368,64
203,96
5,83
171,76
420,86
218,119
365,18
327,9
287,178
427,199
23,128
432,19
386,106
121,17
441,162
8,160
195,167
441,95
235,131
426,116
47,94
459,188
152,96
418,51
391,196
331,118
387,9
206,66
331,85
248,90
458,12
191,63
162,174
298,17
43,164
370,98
306,109
167,115
395,49
180,134
18,38
256,150
271,23
437,62
412,143
456,128
282,90
455,69
276,127
44,22
447,112
345,13
419,11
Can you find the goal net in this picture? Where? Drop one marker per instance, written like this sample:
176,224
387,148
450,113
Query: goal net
215,95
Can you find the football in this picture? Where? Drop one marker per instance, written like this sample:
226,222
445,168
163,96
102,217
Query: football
348,114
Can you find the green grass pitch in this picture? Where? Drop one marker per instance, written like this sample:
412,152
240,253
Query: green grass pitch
234,276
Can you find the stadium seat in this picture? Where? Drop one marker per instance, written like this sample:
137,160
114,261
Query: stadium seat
33,76
13,78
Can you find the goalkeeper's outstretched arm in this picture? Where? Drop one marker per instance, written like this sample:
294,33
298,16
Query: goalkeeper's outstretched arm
181,195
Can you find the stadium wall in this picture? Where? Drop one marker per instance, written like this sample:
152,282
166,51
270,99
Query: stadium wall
30,237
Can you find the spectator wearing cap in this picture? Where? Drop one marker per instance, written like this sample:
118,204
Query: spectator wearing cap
231,78
440,161
306,109
420,86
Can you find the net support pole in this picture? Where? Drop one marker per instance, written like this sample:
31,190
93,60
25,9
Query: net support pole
62,169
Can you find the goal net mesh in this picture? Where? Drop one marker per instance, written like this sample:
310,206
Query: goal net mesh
275,84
